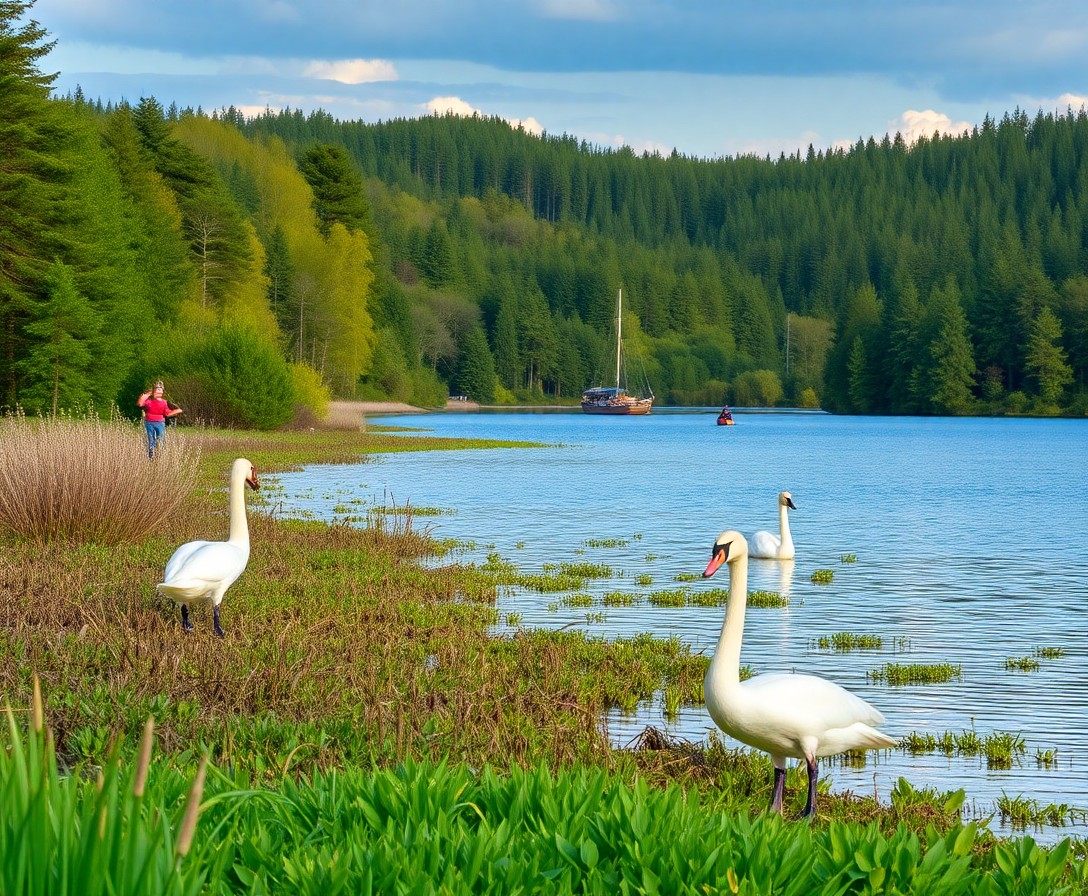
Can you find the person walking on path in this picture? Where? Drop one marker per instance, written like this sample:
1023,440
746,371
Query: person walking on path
156,409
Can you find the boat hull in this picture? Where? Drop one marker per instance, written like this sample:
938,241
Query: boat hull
635,407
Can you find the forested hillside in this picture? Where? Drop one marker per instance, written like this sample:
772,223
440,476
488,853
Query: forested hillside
261,265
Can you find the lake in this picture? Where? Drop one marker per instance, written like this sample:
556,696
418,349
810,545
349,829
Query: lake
969,537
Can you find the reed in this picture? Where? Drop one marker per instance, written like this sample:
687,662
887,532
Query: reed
84,479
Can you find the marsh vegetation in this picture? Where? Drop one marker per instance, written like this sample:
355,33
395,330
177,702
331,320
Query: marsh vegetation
363,692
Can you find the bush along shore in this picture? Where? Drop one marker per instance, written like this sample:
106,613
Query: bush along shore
361,729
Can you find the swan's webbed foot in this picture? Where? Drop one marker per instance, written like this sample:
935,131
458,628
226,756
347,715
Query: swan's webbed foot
186,625
215,622
778,790
813,776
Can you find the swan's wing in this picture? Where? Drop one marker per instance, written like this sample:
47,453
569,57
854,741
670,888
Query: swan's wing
764,544
814,702
178,558
213,563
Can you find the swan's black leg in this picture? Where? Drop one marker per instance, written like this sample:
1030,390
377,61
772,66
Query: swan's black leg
186,625
779,789
215,621
813,775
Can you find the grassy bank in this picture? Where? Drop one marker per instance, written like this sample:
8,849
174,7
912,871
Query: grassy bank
345,659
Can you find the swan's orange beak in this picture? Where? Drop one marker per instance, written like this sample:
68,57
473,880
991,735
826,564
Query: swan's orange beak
715,563
252,481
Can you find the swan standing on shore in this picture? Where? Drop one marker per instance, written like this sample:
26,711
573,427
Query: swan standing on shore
204,570
783,714
766,546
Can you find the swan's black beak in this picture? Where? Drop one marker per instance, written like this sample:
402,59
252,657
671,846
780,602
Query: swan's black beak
720,555
790,504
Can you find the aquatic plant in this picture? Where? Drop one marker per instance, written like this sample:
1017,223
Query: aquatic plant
844,642
621,599
606,542
578,599
1049,653
644,579
822,576
915,673
1022,664
848,558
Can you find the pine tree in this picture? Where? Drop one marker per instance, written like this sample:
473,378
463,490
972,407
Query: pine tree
1045,359
476,369
59,339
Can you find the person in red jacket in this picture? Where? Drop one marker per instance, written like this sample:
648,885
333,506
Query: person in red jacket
156,410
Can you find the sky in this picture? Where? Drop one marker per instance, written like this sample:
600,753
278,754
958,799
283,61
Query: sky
708,78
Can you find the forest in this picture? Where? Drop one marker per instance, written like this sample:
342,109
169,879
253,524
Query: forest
262,265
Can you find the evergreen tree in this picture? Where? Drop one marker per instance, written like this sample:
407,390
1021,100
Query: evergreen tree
1045,359
948,378
33,174
507,354
476,369
59,340
339,195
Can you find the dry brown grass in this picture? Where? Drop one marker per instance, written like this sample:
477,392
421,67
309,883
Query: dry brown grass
87,479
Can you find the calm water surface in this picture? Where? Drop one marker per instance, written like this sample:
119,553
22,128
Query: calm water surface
969,537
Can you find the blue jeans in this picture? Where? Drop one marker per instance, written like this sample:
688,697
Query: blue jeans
155,431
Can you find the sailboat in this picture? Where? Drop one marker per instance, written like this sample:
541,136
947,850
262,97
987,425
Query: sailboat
616,400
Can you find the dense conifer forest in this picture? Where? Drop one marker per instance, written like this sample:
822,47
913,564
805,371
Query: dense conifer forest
264,264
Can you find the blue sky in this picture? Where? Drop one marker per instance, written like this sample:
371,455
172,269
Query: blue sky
709,78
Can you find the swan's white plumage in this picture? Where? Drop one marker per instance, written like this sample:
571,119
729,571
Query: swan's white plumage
204,570
784,714
768,546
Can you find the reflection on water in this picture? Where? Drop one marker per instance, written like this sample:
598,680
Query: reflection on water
968,537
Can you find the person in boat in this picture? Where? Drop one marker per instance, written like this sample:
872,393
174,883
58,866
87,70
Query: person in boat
725,415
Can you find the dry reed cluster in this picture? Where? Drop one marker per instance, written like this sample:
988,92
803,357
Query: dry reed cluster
86,479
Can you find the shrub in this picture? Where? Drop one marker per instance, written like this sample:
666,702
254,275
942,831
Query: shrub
236,378
86,479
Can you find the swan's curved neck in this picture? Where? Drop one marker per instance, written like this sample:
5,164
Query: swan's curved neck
784,525
239,525
725,666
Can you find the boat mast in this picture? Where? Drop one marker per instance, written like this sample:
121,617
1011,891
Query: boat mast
619,336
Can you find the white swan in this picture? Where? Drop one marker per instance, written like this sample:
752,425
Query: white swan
784,714
204,570
766,546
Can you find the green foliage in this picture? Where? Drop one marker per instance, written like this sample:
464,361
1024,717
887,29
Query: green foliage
476,369
235,378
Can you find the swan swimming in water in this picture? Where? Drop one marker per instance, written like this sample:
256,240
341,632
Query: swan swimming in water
783,714
766,546
204,570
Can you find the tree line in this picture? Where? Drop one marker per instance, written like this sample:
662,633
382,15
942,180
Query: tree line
266,263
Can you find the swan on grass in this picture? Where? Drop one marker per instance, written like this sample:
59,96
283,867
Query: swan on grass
204,570
767,546
783,714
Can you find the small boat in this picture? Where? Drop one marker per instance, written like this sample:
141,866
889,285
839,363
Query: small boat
725,418
616,400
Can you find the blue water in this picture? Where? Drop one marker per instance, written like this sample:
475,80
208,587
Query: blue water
969,537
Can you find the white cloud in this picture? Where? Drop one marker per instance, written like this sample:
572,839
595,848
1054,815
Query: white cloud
352,71
1074,101
530,125
579,10
913,124
440,105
